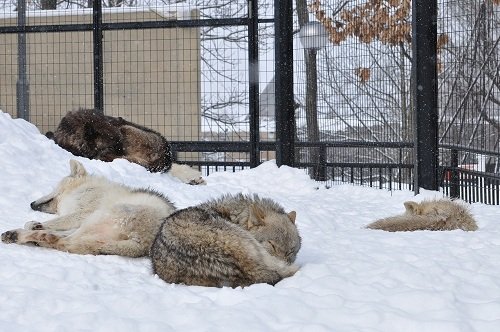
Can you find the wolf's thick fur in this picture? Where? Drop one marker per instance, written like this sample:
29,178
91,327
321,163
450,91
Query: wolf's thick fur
96,216
91,134
265,219
233,241
433,215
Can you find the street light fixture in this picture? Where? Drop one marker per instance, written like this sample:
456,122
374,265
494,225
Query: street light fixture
313,37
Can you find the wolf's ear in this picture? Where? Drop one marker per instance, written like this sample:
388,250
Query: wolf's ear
411,207
255,216
77,169
292,215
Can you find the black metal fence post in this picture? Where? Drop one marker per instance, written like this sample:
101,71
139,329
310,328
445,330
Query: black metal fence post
284,108
98,56
321,168
424,74
454,177
253,77
22,84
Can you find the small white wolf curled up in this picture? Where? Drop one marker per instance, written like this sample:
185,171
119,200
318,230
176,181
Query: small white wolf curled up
96,216
433,215
232,241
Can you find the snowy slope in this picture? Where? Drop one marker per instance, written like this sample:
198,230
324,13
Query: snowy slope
351,279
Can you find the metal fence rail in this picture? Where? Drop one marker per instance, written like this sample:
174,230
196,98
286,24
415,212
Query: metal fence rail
473,182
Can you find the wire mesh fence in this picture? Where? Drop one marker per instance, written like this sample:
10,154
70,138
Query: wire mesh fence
469,98
203,74
355,87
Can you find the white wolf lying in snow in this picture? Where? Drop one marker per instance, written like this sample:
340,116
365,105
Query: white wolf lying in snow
433,215
96,216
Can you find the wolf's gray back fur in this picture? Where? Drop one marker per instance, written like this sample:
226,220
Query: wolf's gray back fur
219,243
433,215
265,219
96,216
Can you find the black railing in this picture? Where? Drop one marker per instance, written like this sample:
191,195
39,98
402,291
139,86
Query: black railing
477,180
390,175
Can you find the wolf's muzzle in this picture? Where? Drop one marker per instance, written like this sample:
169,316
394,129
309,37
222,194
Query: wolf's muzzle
35,206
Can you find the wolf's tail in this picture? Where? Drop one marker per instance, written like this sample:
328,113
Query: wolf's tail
407,223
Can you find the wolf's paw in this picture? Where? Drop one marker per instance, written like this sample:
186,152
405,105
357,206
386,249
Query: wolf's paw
197,181
33,226
9,237
186,174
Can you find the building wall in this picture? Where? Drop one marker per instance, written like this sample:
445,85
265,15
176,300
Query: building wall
151,76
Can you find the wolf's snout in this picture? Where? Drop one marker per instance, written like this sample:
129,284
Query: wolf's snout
36,206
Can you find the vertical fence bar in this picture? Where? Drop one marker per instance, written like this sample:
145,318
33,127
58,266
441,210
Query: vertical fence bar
22,84
253,77
424,39
285,117
321,168
454,178
98,56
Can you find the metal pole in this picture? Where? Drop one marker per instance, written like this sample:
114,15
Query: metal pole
285,117
319,168
98,56
454,178
253,77
22,84
424,36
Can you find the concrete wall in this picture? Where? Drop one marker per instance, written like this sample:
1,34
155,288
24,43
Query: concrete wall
151,76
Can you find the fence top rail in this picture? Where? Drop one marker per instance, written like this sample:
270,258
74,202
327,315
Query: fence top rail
485,175
266,145
354,144
359,165
469,149
126,25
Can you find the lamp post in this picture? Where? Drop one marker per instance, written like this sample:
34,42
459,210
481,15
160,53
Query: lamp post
313,37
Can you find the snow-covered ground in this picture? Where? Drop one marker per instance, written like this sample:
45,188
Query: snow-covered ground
351,278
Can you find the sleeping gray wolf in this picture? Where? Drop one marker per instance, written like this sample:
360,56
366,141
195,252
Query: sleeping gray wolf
91,134
96,216
233,241
433,215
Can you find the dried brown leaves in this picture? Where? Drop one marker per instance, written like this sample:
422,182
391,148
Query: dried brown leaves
384,20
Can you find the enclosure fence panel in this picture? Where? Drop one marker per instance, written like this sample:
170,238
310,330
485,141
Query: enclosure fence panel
353,92
180,68
209,76
469,98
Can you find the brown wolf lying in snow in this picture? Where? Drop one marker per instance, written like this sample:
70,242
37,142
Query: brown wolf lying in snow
233,241
91,134
433,215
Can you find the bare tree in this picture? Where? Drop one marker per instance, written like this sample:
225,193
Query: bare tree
369,95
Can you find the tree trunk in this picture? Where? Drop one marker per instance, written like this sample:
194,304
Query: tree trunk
317,171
